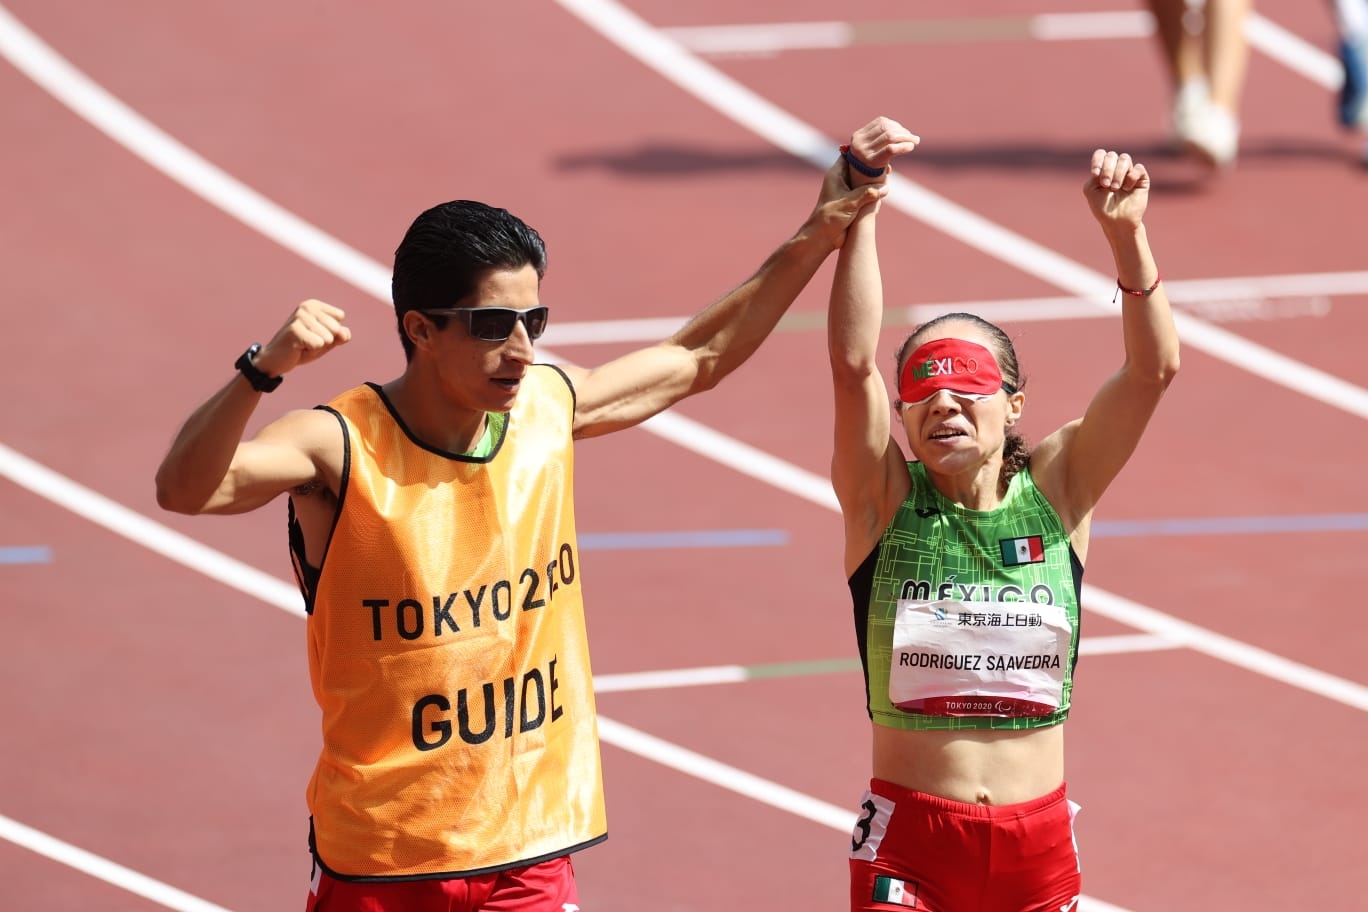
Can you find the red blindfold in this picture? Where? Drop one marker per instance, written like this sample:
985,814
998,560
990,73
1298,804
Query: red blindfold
964,368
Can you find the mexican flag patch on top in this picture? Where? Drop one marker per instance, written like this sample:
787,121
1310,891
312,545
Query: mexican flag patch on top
1018,551
895,892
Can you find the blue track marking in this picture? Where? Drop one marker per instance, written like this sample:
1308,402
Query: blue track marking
35,554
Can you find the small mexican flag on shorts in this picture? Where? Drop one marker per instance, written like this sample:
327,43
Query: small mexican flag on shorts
1028,550
896,892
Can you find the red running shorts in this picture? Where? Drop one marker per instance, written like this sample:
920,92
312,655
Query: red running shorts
910,850
545,887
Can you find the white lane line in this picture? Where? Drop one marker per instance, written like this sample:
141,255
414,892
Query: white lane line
102,868
670,678
772,38
35,59
152,535
1120,643
694,764
1226,649
1257,298
762,39
1092,26
1292,51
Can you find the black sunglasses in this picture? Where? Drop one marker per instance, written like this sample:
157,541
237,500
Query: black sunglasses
495,324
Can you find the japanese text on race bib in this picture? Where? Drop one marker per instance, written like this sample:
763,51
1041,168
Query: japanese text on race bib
954,658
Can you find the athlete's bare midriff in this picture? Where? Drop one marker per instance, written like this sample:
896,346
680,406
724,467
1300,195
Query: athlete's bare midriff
976,766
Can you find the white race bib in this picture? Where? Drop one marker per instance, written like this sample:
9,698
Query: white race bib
954,658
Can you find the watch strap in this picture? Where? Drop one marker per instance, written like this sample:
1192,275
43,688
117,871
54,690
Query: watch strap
261,382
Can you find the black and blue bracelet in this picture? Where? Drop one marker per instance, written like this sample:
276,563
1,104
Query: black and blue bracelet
858,165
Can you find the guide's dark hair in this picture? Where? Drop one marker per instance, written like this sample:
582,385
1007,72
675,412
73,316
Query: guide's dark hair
449,248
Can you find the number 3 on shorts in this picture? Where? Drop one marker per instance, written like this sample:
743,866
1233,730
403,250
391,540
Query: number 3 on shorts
875,812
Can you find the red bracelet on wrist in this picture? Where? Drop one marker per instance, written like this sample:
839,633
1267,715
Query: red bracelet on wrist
1140,294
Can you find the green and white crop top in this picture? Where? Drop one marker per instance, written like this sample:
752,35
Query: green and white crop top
968,618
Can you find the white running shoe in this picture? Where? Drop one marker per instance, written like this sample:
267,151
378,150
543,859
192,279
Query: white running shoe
1205,131
1216,138
1189,105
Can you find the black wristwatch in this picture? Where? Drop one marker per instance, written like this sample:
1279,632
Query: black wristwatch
255,376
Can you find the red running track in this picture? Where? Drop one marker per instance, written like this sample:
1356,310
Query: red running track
161,720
